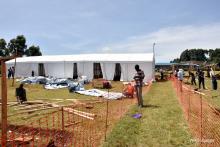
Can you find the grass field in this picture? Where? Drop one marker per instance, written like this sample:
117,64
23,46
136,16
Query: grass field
213,96
162,123
61,96
36,92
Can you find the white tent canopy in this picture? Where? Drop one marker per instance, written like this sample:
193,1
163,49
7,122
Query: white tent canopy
62,66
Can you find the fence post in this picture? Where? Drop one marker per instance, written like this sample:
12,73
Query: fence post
62,126
201,125
62,119
181,86
106,120
4,104
189,103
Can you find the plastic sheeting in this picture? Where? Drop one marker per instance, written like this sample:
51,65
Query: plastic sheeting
34,80
100,93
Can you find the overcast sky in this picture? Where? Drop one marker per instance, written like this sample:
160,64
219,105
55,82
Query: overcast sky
113,26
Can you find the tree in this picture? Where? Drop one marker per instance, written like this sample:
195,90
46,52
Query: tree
215,55
177,60
185,56
33,51
3,50
193,55
17,46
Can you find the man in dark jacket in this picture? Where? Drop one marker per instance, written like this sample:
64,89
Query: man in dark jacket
138,77
201,79
21,94
193,78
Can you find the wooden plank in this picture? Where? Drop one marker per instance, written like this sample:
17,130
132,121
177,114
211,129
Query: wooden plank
80,113
77,111
193,90
33,107
73,123
83,115
31,111
24,139
7,58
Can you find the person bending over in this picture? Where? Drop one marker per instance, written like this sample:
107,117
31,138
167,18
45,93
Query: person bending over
128,91
21,94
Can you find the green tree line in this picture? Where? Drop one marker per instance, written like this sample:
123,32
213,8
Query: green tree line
17,46
203,55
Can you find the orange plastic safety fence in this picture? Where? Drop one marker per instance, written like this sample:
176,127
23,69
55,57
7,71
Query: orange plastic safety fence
203,118
73,125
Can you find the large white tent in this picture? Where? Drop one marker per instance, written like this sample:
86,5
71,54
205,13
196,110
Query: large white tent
62,66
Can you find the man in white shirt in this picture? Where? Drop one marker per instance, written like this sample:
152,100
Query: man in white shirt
180,78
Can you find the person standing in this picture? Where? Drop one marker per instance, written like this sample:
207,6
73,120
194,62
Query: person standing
193,78
180,75
208,71
161,74
32,73
9,73
214,80
176,72
201,79
13,72
180,78
138,77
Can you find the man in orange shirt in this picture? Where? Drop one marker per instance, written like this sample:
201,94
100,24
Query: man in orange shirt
129,91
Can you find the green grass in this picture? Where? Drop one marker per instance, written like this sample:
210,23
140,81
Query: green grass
162,123
62,96
36,92
213,96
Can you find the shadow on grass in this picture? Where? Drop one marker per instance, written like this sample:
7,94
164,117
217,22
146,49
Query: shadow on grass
150,106
215,96
161,80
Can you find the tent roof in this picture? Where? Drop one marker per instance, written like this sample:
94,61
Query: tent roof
145,57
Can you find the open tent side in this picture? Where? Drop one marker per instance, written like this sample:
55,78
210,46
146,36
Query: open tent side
63,66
